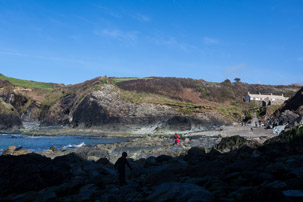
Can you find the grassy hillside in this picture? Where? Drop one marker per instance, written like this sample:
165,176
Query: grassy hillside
26,83
195,91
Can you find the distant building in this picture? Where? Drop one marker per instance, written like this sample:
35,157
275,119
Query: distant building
266,99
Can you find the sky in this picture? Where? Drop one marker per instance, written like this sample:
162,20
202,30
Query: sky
70,41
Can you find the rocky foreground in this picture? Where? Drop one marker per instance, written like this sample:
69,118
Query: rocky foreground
235,169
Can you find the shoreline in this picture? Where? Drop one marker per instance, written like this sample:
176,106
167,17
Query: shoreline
223,131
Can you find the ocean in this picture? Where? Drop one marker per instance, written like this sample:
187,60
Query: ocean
42,143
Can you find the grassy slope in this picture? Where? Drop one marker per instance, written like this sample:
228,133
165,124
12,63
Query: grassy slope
189,96
25,83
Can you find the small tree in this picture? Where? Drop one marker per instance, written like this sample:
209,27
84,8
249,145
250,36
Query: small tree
226,81
237,80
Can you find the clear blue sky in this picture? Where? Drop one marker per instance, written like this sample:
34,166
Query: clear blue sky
70,41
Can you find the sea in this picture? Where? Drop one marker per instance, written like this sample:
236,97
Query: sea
42,143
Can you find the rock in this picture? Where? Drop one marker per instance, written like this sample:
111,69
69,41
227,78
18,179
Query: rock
163,158
103,161
271,194
10,150
13,150
30,172
179,192
151,161
235,142
88,192
290,113
255,154
262,176
296,195
85,152
277,184
53,148
245,193
93,158
186,140
10,120
242,165
195,154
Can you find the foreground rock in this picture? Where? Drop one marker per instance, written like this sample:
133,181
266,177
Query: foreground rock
234,170
14,151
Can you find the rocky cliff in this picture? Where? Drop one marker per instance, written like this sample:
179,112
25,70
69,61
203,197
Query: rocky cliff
107,109
290,113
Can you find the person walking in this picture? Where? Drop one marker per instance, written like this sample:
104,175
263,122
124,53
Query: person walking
177,140
120,165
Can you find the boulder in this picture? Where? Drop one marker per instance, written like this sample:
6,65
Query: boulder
90,153
296,195
235,142
13,150
195,154
179,192
53,148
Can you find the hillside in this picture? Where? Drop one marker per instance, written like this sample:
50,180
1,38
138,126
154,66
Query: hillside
134,104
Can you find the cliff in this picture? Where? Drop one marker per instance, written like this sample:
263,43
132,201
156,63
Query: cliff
290,113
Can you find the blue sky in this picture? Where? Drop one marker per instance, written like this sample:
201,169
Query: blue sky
70,41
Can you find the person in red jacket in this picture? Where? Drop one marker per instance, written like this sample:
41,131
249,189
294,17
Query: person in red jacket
176,137
120,165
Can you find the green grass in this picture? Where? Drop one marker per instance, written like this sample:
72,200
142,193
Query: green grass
120,79
117,80
25,83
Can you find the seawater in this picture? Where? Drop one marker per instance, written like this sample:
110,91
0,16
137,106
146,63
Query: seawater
42,143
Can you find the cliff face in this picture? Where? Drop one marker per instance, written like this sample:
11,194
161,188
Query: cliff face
106,109
141,105
290,113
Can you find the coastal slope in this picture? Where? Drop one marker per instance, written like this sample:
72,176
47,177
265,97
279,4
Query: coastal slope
140,105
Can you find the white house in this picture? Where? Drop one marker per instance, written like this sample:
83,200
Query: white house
266,99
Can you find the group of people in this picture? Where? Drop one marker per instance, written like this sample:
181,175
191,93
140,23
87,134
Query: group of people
122,161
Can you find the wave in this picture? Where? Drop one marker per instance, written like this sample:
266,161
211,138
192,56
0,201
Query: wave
74,145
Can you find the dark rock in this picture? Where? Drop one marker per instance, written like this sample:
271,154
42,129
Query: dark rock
286,142
103,161
86,152
245,194
195,154
10,121
290,113
30,172
163,158
271,194
235,142
174,191
151,161
53,148
241,165
277,184
295,195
